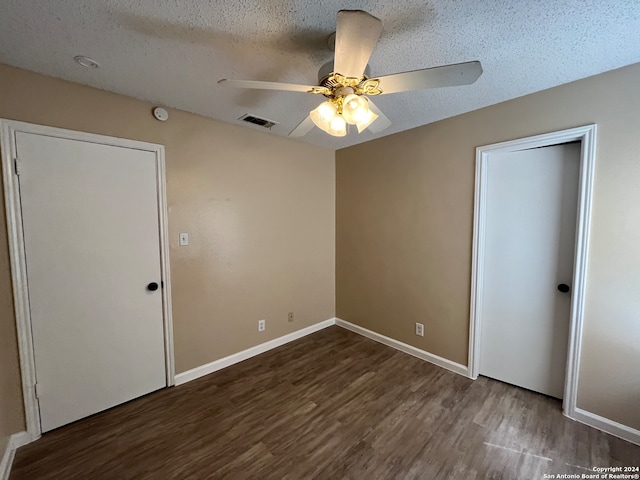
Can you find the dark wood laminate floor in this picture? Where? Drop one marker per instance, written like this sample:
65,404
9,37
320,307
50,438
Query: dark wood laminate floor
332,405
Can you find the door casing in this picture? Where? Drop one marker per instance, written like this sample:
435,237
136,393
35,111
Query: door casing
10,162
586,135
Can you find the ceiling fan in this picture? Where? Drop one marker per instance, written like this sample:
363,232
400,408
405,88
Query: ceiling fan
347,84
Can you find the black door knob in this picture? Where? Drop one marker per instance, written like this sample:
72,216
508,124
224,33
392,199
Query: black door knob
564,288
152,287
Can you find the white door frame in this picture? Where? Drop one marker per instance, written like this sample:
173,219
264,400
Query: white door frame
587,137
8,130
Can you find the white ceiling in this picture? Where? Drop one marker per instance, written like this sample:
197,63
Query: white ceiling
172,52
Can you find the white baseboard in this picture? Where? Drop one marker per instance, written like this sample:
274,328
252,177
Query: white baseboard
403,347
608,426
15,441
225,362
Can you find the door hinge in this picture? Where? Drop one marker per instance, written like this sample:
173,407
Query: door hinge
37,390
16,165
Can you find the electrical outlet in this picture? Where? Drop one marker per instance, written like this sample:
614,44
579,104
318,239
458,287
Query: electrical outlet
290,317
262,325
420,329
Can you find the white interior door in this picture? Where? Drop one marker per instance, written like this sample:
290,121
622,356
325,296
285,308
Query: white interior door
531,206
92,246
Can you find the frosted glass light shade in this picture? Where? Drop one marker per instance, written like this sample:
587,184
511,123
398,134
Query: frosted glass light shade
323,114
368,120
355,109
337,127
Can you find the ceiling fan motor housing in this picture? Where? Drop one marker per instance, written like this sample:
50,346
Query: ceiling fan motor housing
324,75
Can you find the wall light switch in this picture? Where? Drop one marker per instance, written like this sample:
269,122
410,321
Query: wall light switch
184,239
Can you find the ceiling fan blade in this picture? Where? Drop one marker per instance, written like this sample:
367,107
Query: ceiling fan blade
357,33
381,122
289,87
303,128
445,76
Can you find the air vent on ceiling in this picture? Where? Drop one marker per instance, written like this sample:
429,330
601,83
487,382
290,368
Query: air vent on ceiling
262,122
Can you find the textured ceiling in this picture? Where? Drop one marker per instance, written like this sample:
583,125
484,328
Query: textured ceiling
172,52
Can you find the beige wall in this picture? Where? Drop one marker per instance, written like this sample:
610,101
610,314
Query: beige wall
404,230
259,209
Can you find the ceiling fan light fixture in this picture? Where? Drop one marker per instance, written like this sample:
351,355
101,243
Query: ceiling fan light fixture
355,109
370,118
